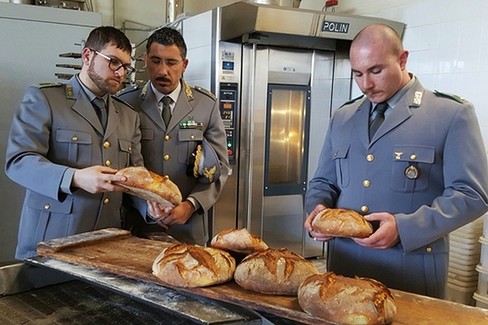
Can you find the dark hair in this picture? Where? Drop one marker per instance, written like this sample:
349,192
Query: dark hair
168,36
102,36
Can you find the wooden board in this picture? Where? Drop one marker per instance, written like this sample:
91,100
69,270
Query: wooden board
117,251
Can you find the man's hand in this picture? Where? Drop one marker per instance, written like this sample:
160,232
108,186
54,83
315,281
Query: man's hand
97,179
170,216
385,236
308,224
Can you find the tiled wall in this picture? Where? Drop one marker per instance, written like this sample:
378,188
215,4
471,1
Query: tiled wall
447,41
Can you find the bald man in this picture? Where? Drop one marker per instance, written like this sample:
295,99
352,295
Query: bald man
411,160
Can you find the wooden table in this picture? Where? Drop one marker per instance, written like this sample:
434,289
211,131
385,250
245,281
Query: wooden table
118,252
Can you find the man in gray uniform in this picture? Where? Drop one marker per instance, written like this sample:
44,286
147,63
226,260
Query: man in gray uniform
183,137
65,150
420,176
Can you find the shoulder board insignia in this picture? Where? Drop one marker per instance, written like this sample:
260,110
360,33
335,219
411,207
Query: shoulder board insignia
69,91
205,92
121,100
50,84
352,101
457,98
127,89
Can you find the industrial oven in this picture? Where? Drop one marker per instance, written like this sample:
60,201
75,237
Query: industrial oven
278,73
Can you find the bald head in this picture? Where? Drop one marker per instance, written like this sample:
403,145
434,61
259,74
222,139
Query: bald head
378,36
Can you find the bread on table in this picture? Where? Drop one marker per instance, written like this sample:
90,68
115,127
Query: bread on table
186,265
273,271
150,186
238,240
346,300
341,223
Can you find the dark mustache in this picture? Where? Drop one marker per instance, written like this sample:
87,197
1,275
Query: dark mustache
162,79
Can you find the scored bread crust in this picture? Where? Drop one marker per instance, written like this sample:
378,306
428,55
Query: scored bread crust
341,223
273,271
186,265
346,300
148,185
238,240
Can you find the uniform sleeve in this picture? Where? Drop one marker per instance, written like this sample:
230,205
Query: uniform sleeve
28,144
465,195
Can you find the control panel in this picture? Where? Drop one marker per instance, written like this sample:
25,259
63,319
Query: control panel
228,112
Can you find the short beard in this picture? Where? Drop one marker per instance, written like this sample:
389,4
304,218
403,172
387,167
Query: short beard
100,82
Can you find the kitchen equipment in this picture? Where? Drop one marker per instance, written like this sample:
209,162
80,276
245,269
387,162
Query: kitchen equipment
278,72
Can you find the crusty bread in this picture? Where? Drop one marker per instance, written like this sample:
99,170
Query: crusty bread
150,186
238,240
341,223
273,271
186,265
345,300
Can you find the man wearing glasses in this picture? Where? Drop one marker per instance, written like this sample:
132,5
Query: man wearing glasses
67,141
183,137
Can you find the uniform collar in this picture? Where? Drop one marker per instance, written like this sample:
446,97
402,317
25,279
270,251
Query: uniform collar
173,95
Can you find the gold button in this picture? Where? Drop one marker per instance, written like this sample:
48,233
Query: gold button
370,157
192,137
74,138
413,156
428,249
47,206
130,149
167,137
364,209
106,200
366,183
166,157
108,163
106,144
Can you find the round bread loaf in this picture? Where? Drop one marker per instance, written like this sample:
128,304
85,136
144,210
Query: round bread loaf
185,265
341,223
345,300
150,186
274,271
238,240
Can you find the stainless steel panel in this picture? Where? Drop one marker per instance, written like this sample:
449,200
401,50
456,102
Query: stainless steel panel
283,222
242,18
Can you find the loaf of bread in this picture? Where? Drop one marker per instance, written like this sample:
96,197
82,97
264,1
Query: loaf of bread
273,271
341,223
185,265
238,240
150,186
345,300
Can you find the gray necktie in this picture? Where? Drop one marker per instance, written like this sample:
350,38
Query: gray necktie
166,109
101,110
379,118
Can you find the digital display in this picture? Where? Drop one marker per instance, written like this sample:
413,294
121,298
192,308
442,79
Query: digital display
227,65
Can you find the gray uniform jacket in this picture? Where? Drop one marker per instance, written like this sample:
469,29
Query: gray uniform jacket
55,131
437,136
167,151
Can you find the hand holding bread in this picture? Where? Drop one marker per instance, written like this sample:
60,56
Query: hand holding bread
341,223
150,186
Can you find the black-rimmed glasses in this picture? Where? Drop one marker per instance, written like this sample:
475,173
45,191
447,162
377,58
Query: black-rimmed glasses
115,64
